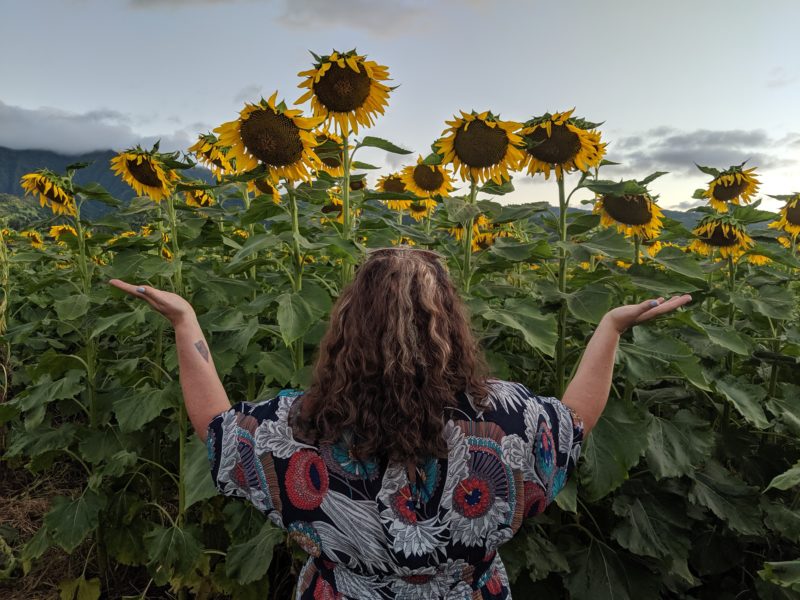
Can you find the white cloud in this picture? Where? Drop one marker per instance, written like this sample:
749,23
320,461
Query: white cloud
66,132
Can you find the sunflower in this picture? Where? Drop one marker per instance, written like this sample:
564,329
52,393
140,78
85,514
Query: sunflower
166,253
789,216
484,239
266,186
212,154
53,191
419,209
358,183
329,149
656,246
403,241
58,231
427,180
723,233
199,198
346,89
393,183
632,214
561,142
145,171
480,223
333,207
758,259
271,134
124,234
241,233
146,230
481,147
736,185
35,237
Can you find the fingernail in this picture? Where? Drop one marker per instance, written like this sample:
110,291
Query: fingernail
140,290
653,302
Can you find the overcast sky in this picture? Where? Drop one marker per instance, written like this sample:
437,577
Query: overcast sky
715,82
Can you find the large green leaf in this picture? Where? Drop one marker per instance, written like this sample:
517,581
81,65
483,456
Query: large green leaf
70,520
598,572
118,321
589,303
782,520
785,574
746,398
729,338
135,408
772,301
613,447
72,307
533,553
678,261
662,345
199,485
376,142
786,408
79,589
298,311
537,329
678,444
787,479
249,561
728,497
610,243
46,390
172,549
648,527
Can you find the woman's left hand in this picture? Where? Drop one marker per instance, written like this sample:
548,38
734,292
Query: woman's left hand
172,306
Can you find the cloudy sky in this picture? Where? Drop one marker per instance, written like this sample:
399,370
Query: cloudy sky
715,82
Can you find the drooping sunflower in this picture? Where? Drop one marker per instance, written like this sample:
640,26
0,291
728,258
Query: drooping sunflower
654,247
561,142
35,237
123,235
789,216
721,233
212,154
267,186
481,147
419,209
333,209
736,185
393,183
346,89
632,214
358,183
145,171
241,233
480,223
427,180
58,231
53,191
200,198
271,134
330,151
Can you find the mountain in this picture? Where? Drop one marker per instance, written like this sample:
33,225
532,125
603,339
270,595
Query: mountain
16,163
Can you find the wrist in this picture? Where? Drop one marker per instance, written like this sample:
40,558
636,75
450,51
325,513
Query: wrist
185,321
608,325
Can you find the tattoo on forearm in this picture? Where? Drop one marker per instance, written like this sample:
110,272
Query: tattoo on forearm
201,348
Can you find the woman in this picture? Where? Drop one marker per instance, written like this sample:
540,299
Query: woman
402,468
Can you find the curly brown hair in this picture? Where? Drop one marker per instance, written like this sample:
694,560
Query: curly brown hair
397,353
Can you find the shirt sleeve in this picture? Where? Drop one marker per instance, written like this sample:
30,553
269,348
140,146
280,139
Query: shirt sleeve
554,434
240,466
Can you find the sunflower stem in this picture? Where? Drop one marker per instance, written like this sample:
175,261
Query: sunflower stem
347,226
297,264
636,247
561,346
250,232
466,273
182,417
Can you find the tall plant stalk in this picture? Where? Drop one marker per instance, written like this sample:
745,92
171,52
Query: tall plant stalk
347,213
466,272
297,267
561,346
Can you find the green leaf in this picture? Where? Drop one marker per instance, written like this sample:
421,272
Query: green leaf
662,283
79,589
199,485
729,498
729,338
772,301
69,521
678,261
248,561
786,408
277,367
376,142
363,166
459,211
490,187
538,330
599,573
589,303
298,311
515,251
787,479
648,527
46,390
252,245
118,321
782,520
615,445
172,550
72,307
609,243
534,554
785,574
677,445
135,408
746,398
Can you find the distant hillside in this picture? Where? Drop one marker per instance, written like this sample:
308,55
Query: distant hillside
16,163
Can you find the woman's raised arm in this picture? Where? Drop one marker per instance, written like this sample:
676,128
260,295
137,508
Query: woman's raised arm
203,393
587,393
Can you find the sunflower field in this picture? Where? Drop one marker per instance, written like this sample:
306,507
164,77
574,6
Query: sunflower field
686,488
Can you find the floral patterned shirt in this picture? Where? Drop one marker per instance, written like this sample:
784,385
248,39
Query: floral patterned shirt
369,532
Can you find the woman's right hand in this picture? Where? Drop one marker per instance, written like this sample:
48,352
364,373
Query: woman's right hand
624,317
